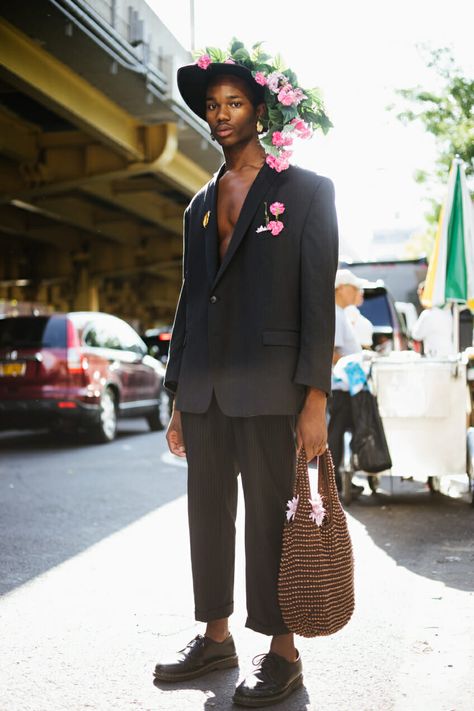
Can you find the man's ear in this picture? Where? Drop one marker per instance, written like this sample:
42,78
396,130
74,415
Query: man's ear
261,111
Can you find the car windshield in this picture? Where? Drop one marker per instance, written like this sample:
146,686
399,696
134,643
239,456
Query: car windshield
375,308
33,332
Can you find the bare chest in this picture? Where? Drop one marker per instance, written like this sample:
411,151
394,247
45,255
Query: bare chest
230,199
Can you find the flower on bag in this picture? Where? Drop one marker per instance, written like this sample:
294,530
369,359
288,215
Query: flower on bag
273,226
318,511
292,505
291,112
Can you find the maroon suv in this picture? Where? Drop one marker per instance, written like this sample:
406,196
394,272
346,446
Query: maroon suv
79,370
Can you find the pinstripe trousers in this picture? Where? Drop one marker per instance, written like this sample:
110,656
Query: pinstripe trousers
262,449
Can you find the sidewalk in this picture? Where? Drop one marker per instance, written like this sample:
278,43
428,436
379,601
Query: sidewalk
86,635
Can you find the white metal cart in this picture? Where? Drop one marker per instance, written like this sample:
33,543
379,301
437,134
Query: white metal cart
424,404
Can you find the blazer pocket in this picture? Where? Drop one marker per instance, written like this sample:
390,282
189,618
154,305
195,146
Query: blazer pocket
281,338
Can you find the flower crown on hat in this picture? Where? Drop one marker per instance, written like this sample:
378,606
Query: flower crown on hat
292,112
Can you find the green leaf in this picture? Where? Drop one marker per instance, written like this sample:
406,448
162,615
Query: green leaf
288,113
241,55
291,76
235,45
217,55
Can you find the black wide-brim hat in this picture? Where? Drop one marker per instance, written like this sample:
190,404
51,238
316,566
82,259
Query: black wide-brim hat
193,82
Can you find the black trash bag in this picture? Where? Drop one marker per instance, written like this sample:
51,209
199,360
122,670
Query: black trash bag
369,445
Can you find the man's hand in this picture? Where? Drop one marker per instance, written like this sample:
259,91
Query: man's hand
311,429
174,435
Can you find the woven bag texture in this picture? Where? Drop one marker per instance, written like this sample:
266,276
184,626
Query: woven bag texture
316,581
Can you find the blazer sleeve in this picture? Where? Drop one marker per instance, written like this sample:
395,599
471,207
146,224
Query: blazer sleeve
319,260
178,334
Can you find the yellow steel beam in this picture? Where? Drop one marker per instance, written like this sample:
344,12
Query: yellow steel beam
17,140
43,76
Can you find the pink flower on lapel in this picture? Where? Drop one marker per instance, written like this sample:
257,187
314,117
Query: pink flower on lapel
277,208
273,226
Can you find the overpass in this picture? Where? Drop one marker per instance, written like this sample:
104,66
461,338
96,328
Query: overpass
98,158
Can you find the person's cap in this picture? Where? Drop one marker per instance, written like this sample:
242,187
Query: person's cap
345,276
193,82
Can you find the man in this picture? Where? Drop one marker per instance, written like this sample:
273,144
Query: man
347,290
434,328
250,362
363,328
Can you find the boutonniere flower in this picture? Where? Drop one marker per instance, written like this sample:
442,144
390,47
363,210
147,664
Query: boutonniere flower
205,219
318,511
274,226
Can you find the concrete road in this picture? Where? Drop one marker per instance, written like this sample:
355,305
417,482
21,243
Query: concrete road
94,571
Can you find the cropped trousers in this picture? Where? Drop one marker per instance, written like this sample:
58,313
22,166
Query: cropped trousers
262,450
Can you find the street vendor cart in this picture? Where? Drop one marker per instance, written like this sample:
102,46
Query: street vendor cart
424,404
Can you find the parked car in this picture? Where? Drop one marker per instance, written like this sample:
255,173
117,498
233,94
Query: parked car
389,330
158,342
77,370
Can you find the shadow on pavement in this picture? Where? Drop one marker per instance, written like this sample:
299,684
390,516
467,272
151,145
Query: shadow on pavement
58,497
222,686
429,534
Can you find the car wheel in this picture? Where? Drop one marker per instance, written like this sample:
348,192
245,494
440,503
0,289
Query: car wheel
158,419
106,428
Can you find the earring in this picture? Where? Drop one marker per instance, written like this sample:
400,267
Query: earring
259,126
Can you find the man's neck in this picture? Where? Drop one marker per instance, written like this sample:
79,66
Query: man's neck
250,156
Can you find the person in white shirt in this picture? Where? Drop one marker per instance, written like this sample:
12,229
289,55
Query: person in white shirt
347,287
363,328
434,328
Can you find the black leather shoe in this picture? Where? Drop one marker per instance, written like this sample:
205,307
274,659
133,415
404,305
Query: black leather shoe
274,679
199,657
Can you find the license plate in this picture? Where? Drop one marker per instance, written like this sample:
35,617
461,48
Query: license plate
12,369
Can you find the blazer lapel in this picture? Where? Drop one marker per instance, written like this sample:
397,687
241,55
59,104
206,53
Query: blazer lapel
210,231
257,192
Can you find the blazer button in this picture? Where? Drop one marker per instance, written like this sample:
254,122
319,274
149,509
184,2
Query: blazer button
213,299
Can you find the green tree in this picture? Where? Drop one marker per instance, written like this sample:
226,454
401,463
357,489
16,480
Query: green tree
447,114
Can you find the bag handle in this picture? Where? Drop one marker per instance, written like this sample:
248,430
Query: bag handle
326,483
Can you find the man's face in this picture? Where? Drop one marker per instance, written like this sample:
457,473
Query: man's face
348,294
229,111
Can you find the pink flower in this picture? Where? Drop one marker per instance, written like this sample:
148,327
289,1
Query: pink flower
280,163
281,139
277,208
275,227
274,79
301,128
292,506
286,95
260,78
289,96
318,513
204,61
229,60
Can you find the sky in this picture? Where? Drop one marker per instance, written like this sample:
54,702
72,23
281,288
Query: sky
358,54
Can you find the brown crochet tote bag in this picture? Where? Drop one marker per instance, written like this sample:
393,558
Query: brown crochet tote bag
316,581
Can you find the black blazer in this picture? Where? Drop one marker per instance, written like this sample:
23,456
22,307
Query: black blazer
258,328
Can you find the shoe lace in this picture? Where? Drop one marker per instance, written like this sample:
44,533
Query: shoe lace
195,643
267,664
